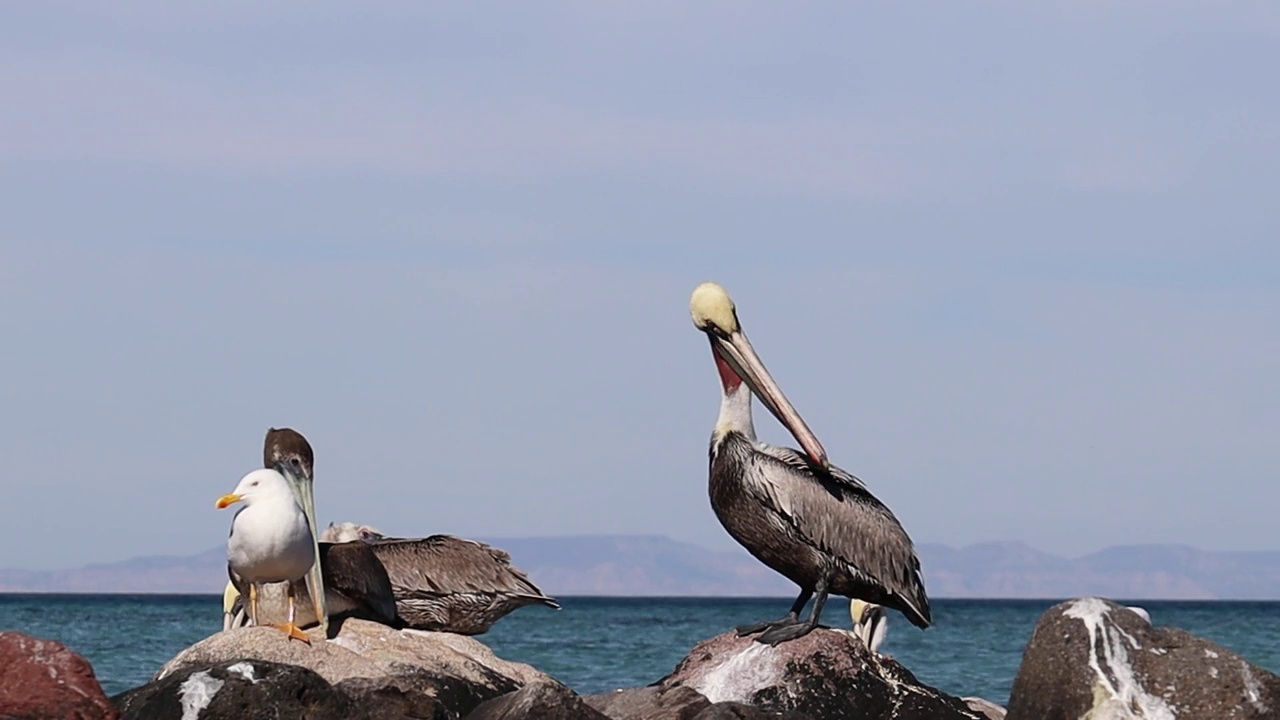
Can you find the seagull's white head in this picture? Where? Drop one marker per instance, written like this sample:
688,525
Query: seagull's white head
258,486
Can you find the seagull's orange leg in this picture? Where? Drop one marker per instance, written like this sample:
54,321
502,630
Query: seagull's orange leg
290,628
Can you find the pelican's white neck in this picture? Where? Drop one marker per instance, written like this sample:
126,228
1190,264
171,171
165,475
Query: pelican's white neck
735,412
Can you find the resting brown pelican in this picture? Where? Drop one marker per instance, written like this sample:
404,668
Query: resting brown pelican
794,511
447,583
870,623
270,540
441,582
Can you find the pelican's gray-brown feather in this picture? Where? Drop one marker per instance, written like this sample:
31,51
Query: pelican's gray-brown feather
443,582
353,570
798,518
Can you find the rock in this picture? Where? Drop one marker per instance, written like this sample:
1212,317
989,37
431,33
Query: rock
426,672
543,700
1091,657
43,679
240,689
742,711
827,675
398,697
650,703
984,708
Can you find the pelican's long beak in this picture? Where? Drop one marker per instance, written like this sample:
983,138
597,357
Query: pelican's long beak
315,581
737,351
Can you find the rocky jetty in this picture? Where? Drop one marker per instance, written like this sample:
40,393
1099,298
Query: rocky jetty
1093,658
1088,658
369,671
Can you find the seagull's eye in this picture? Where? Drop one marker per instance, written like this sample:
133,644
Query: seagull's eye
295,462
254,483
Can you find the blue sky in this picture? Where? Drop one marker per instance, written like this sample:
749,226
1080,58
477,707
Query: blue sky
1016,263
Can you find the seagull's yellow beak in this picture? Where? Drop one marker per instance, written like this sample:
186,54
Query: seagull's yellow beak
227,499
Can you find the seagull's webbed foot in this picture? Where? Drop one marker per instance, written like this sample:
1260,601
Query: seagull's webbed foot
293,631
753,628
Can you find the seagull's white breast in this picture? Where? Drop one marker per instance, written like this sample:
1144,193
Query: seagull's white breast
270,542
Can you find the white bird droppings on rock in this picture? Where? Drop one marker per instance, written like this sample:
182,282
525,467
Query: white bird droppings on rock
741,674
1124,698
1252,689
244,670
196,692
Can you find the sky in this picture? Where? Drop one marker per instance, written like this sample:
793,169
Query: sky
1017,264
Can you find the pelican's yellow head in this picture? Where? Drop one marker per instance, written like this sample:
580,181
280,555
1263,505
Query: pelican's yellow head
711,307
229,595
858,610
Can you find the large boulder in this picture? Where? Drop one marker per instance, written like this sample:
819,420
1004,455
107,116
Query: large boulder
372,664
240,690
825,675
1093,658
985,708
43,679
650,703
543,700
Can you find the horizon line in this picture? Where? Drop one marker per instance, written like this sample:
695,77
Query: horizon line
586,536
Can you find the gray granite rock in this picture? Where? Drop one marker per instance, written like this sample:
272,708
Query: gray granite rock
826,675
650,703
423,674
1093,658
240,690
543,700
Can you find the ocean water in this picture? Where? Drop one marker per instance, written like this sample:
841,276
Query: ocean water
597,644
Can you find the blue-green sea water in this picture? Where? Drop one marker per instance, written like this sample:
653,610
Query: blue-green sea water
596,644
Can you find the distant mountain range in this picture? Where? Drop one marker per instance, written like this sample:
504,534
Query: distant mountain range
656,565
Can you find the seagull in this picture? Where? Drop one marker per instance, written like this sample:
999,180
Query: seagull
270,540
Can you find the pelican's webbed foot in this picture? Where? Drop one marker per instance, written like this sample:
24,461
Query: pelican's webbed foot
790,618
792,627
753,628
783,632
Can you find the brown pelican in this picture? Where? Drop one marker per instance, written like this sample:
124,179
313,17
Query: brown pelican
793,510
447,583
870,623
290,453
270,539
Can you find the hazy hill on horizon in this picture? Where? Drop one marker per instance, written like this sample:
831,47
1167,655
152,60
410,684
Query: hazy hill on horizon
655,565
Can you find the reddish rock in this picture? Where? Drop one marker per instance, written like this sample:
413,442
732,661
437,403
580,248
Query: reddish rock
42,679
